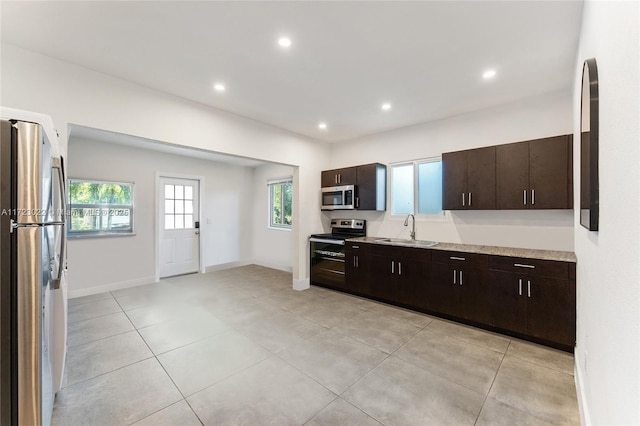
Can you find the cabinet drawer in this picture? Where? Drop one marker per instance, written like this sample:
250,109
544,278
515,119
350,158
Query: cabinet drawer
471,260
533,267
357,248
400,252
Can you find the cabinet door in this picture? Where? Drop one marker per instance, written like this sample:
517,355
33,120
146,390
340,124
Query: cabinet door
369,182
338,177
473,298
549,173
347,176
442,294
329,178
383,277
454,180
551,311
481,178
507,304
357,273
512,176
413,273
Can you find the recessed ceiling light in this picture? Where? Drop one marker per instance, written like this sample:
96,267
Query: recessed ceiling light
488,74
386,106
219,87
284,42
322,126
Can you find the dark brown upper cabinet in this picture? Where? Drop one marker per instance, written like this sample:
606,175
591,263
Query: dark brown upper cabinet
536,174
469,179
371,190
338,177
370,181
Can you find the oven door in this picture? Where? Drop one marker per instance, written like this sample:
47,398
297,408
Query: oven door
338,198
327,262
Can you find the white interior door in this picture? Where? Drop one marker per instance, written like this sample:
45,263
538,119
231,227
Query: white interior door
179,233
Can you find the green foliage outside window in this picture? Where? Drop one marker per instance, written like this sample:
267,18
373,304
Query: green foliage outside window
98,208
281,195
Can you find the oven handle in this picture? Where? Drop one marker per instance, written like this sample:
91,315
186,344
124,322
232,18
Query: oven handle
322,240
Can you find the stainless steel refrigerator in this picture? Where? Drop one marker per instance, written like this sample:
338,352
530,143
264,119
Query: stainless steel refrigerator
32,264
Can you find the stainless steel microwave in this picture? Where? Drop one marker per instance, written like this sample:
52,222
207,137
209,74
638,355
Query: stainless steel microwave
339,197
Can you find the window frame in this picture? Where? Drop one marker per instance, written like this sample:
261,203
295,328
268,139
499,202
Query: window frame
271,184
416,190
78,234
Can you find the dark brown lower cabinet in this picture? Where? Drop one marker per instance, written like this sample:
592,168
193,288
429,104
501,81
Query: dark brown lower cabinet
529,298
535,305
458,289
396,273
357,269
383,278
508,307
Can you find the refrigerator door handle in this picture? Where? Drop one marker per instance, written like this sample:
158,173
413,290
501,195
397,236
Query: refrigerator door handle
57,164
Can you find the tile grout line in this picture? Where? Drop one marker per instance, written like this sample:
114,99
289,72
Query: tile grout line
163,369
492,383
439,375
468,341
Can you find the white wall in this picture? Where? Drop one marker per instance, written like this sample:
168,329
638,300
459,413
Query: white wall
546,115
76,95
99,264
608,271
270,247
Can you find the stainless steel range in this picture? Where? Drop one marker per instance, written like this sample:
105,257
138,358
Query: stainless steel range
327,251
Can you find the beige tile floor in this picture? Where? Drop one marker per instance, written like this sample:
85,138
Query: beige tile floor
240,347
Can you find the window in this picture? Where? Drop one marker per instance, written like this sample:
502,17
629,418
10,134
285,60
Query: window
402,189
100,208
418,183
280,196
178,207
430,186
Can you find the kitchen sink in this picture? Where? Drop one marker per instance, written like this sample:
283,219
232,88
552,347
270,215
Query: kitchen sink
407,242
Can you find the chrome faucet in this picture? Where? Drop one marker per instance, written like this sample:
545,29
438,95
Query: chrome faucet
413,227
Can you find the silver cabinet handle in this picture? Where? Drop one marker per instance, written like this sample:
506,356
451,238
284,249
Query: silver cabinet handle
355,247
533,196
392,266
522,265
335,178
339,177
524,195
528,288
469,199
354,261
460,277
357,261
520,286
463,199
399,268
457,258
454,276
357,202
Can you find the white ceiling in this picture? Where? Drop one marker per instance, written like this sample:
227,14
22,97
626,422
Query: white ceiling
347,58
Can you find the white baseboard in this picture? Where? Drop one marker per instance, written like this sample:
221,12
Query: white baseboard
585,418
109,287
272,265
302,284
223,266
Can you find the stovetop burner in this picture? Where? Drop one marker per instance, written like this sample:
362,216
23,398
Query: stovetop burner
341,229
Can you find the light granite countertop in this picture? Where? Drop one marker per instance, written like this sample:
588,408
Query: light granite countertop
561,256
